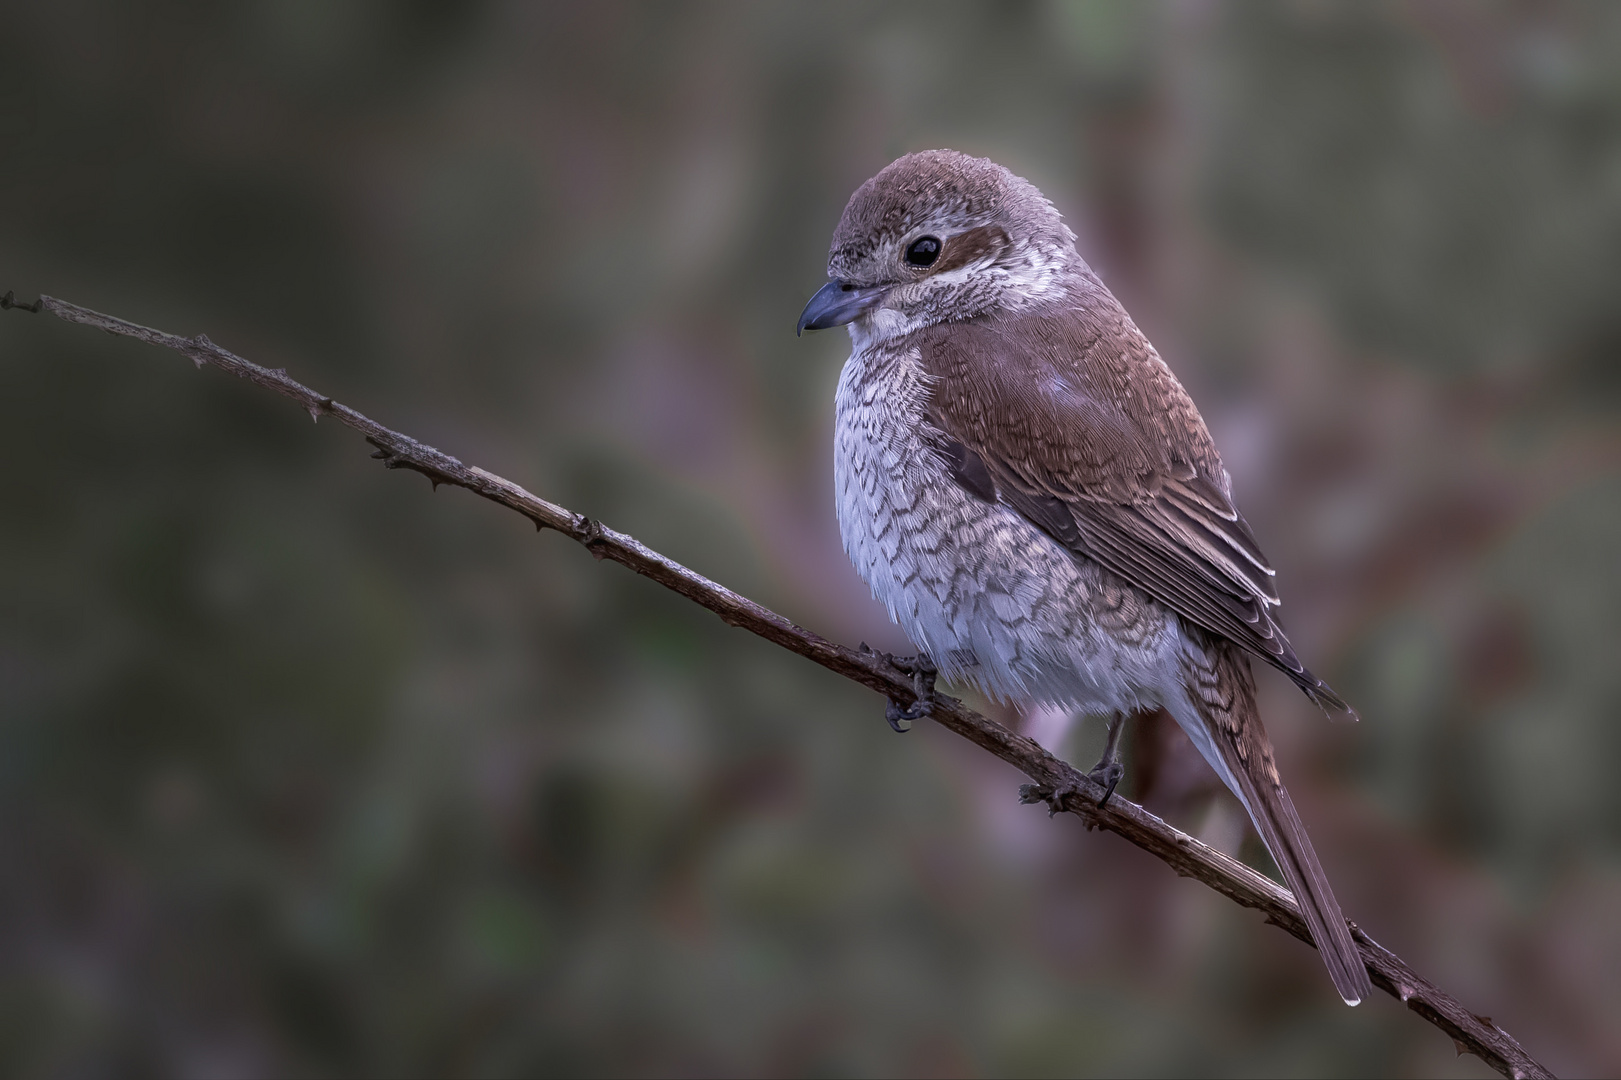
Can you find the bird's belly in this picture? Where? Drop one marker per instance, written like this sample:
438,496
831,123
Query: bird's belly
986,594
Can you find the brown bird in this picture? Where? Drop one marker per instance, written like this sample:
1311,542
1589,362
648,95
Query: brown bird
1031,492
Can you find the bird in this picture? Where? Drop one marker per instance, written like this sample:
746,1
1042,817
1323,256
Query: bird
1027,487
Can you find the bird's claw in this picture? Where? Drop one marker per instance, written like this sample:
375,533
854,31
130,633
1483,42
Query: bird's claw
1108,771
923,673
1053,796
900,717
1108,774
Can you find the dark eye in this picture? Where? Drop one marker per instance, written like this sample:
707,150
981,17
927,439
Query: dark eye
923,252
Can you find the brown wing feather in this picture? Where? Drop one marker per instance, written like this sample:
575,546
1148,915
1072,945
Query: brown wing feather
1085,431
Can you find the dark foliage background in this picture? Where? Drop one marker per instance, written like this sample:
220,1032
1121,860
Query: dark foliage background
304,770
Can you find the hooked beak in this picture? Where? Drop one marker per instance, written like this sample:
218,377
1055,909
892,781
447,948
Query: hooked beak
837,303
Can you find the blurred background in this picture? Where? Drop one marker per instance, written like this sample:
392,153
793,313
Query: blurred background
306,770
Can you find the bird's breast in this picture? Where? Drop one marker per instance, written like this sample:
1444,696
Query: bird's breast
979,588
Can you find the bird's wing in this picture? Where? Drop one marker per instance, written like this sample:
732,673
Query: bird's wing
1072,419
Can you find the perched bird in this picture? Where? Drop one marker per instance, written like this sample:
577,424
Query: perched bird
1033,495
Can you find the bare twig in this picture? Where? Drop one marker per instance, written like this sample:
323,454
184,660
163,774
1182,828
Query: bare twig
1056,783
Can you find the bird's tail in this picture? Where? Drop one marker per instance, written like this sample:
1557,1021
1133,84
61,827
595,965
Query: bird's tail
1233,739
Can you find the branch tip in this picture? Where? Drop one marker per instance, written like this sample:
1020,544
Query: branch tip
9,301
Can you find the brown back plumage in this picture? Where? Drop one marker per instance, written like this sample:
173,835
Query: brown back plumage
1085,431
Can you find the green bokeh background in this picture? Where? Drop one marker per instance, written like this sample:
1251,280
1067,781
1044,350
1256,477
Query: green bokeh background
305,770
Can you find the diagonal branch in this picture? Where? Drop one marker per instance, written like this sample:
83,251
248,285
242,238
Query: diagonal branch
1056,783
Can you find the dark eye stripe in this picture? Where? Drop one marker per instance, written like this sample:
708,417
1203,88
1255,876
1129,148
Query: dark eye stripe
975,244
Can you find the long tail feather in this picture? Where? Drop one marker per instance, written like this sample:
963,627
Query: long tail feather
1223,693
1285,837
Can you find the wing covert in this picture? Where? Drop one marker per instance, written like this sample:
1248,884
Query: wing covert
1072,419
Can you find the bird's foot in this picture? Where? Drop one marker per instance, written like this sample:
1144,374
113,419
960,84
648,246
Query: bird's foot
923,673
1107,773
1052,796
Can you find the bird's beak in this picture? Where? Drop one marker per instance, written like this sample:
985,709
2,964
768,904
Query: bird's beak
837,303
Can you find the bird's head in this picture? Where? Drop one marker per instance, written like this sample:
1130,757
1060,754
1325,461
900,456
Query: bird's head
939,236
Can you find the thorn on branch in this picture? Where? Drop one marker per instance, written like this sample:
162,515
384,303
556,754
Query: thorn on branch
590,534
392,459
196,347
9,301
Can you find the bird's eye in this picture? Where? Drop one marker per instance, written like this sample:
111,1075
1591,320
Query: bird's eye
923,251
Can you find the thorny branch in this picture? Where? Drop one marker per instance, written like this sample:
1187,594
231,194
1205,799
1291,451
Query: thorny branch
1056,783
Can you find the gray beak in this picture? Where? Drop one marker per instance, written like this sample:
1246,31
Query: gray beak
837,303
